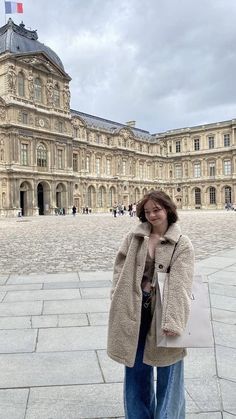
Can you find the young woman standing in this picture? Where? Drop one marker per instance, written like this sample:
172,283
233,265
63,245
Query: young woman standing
156,245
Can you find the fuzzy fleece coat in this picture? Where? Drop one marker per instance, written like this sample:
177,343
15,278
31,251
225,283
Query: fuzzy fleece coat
126,295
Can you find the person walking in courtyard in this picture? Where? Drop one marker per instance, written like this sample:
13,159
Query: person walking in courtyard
74,210
155,245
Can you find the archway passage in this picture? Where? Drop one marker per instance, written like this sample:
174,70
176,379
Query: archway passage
40,199
22,202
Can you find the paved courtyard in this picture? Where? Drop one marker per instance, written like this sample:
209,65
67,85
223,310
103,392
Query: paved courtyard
89,242
55,277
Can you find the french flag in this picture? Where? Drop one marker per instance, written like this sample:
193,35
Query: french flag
13,7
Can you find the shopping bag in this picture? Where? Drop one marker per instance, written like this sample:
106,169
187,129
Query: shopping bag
198,332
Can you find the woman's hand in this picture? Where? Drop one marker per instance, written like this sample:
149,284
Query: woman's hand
168,333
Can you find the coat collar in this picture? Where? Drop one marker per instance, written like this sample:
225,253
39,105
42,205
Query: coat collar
172,235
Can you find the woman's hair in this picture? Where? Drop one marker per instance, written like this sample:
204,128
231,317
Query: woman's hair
162,199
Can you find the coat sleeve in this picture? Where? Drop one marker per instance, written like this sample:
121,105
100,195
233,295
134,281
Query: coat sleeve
119,262
177,292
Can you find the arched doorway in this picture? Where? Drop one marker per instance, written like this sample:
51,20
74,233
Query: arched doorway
40,198
25,198
60,196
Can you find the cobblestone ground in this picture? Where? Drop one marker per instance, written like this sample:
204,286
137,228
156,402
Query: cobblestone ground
89,242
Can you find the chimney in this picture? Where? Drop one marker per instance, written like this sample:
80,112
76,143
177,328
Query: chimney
131,124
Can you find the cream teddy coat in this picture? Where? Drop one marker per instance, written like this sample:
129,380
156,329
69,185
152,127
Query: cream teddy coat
126,295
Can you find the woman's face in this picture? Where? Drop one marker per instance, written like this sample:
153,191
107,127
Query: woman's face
155,214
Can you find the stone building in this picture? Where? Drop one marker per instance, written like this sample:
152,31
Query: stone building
52,156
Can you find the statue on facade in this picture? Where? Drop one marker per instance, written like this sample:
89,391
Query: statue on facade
49,92
12,78
31,85
66,97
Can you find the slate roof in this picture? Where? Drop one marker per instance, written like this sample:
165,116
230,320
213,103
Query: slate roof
101,123
18,40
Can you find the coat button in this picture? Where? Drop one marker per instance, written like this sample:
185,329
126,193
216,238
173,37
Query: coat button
160,266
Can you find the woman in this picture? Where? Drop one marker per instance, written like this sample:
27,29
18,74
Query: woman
156,245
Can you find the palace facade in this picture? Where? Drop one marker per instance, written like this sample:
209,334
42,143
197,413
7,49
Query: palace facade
52,156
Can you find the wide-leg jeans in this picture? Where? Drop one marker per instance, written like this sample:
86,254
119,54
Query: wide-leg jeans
141,399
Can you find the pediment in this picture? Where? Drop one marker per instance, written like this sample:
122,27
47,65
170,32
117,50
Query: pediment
42,63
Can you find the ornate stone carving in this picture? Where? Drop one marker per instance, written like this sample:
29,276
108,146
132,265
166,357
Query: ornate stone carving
49,92
11,79
66,97
3,113
31,85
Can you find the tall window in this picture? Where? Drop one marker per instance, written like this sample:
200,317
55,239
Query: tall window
149,171
21,85
212,168
196,144
60,158
197,169
124,167
24,118
178,171
226,140
60,126
41,155
197,196
108,166
38,90
24,154
98,166
227,167
88,163
75,162
101,196
56,96
141,171
211,142
212,195
228,198
177,147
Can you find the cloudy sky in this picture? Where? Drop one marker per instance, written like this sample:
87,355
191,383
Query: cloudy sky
164,63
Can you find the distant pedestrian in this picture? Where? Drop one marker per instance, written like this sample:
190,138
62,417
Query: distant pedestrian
74,210
115,209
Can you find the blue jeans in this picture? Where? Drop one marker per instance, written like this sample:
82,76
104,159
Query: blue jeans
141,399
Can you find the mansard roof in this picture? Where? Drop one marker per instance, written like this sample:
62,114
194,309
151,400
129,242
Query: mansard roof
19,40
101,123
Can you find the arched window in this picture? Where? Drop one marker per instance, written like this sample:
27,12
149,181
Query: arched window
112,194
212,195
41,155
56,96
21,84
38,90
228,198
197,196
101,196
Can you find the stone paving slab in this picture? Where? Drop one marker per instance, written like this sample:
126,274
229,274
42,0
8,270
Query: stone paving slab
205,393
26,287
76,306
79,284
44,295
13,403
225,334
95,292
76,402
95,275
3,279
222,302
223,277
226,362
21,308
222,289
43,278
12,341
2,295
96,319
223,316
228,389
49,369
23,322
217,262
72,339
